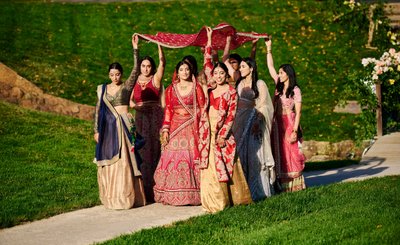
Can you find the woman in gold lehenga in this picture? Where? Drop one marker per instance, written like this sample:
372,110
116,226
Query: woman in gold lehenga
222,180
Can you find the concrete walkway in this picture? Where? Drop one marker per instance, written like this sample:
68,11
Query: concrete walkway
97,224
382,159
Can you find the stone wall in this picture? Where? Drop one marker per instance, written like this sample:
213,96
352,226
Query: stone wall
17,90
325,151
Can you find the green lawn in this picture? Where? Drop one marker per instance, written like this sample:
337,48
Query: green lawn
364,212
65,48
47,168
46,165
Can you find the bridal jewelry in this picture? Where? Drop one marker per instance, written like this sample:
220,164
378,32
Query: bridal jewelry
114,86
143,84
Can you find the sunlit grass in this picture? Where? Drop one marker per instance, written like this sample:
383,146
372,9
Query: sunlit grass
46,165
365,212
65,48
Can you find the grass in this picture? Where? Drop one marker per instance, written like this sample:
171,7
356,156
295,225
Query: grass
364,212
65,48
46,167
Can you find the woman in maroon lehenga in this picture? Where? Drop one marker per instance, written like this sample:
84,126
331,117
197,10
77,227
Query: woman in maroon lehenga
289,160
146,100
177,177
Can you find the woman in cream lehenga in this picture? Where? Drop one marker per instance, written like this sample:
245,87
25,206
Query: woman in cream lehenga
118,175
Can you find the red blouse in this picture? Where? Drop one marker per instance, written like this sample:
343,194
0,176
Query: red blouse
147,93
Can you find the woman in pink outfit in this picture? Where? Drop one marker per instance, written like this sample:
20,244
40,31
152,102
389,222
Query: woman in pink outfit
177,177
289,160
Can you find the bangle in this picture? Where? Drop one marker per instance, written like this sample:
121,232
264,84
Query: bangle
269,51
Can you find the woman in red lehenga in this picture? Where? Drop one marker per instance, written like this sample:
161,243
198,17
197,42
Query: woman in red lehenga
177,177
146,100
289,160
222,180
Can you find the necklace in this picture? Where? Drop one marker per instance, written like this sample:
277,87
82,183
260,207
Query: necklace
143,84
114,86
182,86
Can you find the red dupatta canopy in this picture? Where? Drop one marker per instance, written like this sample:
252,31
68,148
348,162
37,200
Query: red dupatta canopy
220,32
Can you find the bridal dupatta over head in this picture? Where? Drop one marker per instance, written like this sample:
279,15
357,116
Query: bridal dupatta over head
220,32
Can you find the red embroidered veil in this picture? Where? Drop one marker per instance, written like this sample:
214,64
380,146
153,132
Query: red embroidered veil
220,32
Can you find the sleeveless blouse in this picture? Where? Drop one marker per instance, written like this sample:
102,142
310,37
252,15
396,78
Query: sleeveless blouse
122,96
149,93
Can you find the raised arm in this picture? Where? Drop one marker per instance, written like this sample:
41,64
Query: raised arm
208,66
130,82
214,54
254,49
270,61
161,67
225,57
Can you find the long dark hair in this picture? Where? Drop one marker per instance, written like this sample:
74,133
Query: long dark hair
152,63
254,75
289,70
116,66
192,62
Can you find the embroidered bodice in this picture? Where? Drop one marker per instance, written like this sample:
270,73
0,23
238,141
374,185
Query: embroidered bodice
122,96
287,104
214,102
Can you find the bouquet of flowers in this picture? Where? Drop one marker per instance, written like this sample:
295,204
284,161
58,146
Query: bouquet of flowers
137,140
386,70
